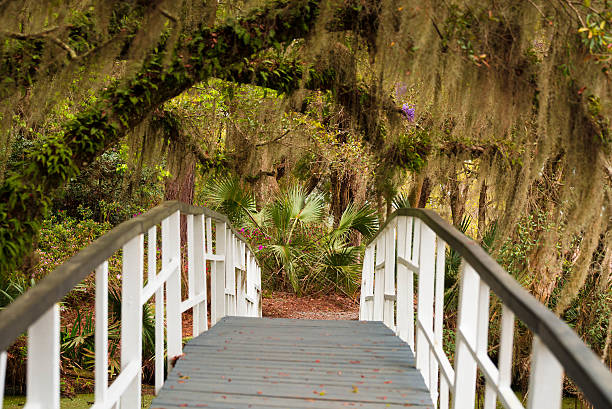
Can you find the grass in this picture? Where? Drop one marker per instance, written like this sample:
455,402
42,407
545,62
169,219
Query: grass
79,402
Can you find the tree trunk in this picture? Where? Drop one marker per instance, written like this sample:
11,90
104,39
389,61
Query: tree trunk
425,192
482,210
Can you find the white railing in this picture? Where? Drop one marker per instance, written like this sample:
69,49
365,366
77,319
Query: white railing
235,288
412,245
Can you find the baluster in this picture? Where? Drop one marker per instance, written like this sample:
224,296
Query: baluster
190,258
379,279
467,331
43,367
438,315
404,302
200,321
389,276
367,278
427,258
2,375
482,340
43,361
171,250
131,317
159,307
546,379
259,295
505,348
217,278
101,335
443,393
243,277
416,241
230,272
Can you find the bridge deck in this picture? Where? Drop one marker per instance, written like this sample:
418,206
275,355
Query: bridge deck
283,363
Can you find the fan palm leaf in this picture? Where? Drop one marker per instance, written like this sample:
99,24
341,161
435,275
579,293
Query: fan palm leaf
362,219
227,195
401,201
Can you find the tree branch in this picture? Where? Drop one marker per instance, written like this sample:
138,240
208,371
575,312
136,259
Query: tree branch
46,33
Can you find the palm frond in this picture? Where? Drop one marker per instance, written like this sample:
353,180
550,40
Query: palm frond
401,201
227,195
362,219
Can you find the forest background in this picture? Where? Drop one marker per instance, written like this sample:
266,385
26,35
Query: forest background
307,122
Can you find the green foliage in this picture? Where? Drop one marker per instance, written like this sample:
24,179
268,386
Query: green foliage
596,36
514,252
401,201
294,241
57,158
62,236
13,288
230,198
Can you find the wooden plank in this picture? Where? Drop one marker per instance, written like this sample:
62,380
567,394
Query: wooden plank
266,363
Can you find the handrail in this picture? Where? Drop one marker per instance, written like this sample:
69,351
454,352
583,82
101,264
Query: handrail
579,361
26,309
235,289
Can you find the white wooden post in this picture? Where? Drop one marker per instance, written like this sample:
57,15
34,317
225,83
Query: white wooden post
405,282
230,274
367,284
467,330
379,279
2,375
389,276
438,315
217,278
546,379
131,317
101,336
43,367
425,300
482,339
200,320
171,250
159,308
190,258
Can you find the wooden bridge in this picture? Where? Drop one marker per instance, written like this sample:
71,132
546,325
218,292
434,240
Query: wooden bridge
392,357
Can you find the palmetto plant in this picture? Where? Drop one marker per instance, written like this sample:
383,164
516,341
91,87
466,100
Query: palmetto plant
228,196
297,244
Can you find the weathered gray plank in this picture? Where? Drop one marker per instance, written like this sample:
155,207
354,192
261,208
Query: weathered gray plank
257,363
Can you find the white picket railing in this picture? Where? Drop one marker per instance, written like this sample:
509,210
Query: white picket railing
412,246
235,290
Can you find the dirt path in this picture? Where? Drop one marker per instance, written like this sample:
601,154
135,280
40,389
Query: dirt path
320,307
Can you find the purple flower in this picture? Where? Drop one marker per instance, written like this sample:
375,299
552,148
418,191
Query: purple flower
408,111
260,247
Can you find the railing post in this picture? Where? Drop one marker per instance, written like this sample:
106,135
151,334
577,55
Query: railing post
467,331
2,375
425,300
241,289
200,321
217,278
405,282
43,367
438,317
230,274
131,317
379,279
390,294
159,308
101,345
367,284
546,379
171,250
190,258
